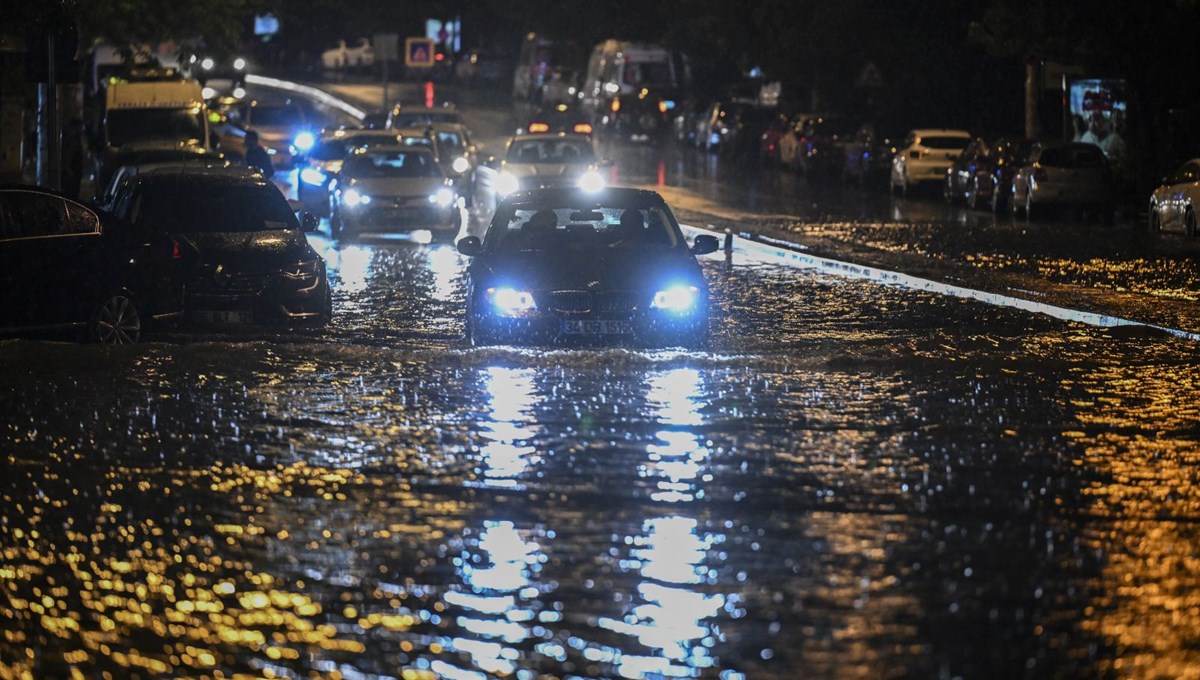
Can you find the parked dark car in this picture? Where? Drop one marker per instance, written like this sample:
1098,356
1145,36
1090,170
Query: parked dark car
569,266
823,149
982,176
68,266
245,254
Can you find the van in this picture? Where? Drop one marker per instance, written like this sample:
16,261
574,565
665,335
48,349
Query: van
149,115
540,58
633,87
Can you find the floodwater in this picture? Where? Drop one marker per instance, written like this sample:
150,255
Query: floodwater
856,481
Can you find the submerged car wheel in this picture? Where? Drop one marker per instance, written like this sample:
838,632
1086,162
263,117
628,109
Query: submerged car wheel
116,321
1189,223
1155,222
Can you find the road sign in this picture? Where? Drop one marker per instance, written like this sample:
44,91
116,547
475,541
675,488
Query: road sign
418,52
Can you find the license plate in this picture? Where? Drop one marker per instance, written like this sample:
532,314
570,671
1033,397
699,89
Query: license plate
224,317
596,327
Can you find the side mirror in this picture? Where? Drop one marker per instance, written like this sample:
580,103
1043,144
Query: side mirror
705,244
470,246
308,222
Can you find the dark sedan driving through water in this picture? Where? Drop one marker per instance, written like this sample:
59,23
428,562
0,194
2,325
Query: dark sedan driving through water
566,266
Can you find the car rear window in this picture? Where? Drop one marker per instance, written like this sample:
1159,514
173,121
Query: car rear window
945,142
189,206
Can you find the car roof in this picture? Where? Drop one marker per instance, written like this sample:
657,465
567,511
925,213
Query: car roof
611,196
227,175
940,132
359,132
549,135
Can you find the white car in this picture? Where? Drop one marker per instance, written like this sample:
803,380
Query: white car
1064,175
539,161
349,56
1172,205
925,156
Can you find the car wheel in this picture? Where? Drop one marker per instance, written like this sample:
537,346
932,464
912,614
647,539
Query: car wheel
1155,222
116,321
1189,223
972,197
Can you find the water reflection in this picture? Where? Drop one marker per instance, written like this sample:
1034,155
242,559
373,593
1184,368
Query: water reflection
445,264
351,265
506,453
497,604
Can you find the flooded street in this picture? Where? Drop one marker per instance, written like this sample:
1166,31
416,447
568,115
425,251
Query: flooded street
854,480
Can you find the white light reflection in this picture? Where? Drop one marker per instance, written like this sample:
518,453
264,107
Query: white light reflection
497,577
506,455
445,264
677,461
671,617
352,264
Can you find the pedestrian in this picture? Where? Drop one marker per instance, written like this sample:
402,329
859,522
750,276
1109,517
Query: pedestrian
257,157
72,158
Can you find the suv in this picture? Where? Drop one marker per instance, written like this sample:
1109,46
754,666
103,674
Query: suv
68,266
245,255
925,156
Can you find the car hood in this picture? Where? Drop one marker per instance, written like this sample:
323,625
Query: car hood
398,186
546,170
248,249
591,268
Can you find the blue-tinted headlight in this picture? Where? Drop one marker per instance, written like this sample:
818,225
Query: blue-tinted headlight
510,301
676,299
304,141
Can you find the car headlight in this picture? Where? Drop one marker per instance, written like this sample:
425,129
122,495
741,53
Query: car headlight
591,181
676,299
354,197
208,92
239,64
208,63
304,141
239,92
442,197
507,183
510,301
312,176
460,165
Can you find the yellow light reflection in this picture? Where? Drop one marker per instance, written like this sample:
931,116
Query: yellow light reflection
352,265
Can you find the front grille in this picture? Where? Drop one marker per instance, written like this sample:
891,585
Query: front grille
209,281
583,302
571,301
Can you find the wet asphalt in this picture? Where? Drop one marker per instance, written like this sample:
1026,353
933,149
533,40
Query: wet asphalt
854,480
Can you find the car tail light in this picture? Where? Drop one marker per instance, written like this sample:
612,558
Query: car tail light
583,128
175,254
539,127
662,107
616,105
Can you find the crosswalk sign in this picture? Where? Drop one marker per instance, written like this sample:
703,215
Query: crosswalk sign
418,52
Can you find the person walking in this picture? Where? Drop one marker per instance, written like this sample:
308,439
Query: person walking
257,156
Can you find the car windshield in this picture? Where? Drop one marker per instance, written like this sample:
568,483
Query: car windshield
550,151
329,149
945,142
145,125
392,164
185,205
552,229
282,116
451,140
